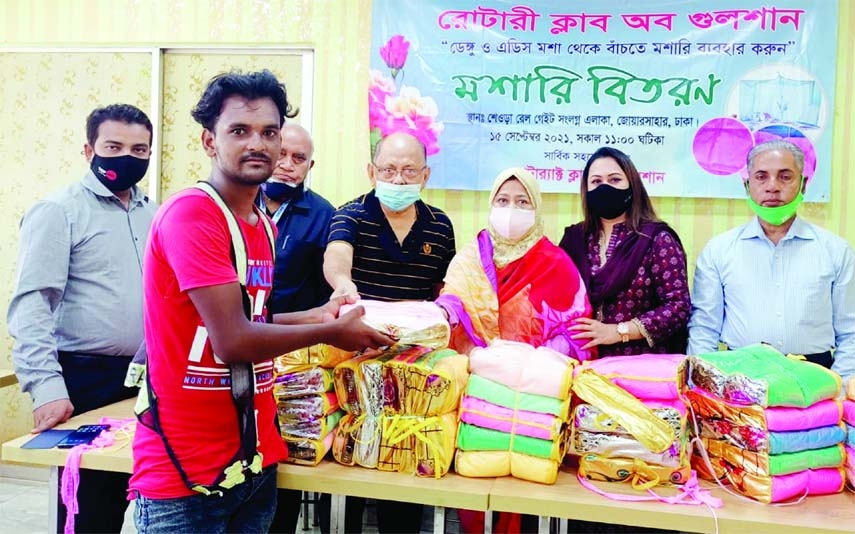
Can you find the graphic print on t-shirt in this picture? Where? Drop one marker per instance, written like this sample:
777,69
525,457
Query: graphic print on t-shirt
205,371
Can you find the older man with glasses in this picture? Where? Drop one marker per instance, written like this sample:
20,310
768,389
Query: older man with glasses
389,245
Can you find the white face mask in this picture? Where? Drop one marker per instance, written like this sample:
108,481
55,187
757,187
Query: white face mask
511,223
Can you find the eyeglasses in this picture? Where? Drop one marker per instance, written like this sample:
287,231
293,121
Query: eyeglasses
387,173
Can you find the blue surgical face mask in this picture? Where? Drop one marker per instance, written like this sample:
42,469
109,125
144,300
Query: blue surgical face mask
397,197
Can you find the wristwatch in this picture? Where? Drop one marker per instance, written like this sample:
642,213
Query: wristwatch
623,330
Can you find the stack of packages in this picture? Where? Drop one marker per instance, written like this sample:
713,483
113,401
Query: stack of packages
514,413
849,419
307,406
629,423
402,403
768,424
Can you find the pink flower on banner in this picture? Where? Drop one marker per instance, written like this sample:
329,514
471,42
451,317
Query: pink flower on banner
394,53
415,114
391,111
379,88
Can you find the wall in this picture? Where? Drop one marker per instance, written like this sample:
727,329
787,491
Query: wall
339,32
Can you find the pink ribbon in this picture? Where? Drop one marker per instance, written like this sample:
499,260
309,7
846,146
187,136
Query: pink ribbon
690,493
71,474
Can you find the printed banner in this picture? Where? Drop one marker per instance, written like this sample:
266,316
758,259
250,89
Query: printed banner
684,88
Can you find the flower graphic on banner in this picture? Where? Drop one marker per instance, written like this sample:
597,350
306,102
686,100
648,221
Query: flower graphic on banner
392,110
394,53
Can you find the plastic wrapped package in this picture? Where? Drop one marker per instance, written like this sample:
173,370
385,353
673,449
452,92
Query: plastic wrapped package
639,421
424,383
641,474
773,489
511,363
313,428
485,414
409,444
489,464
420,445
357,441
299,380
850,465
645,376
409,322
360,394
762,464
320,355
593,431
308,408
305,451
759,374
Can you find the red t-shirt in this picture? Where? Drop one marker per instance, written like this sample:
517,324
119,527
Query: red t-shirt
190,247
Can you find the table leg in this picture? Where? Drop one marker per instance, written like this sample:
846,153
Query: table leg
488,522
53,498
337,514
562,526
543,525
438,519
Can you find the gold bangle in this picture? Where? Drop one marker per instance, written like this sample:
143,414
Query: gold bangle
644,333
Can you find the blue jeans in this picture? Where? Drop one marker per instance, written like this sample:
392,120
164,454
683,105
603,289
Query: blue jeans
247,507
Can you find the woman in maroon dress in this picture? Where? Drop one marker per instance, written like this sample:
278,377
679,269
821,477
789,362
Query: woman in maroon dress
633,264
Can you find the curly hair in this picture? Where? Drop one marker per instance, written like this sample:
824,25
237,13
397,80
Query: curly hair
252,86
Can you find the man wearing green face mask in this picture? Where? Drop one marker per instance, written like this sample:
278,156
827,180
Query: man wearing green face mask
777,279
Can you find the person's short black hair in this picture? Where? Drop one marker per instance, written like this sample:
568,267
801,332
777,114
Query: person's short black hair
115,112
252,86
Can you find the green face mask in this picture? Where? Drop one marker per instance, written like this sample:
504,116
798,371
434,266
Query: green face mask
777,215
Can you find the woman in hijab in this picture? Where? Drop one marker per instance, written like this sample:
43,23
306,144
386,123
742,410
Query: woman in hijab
512,282
633,264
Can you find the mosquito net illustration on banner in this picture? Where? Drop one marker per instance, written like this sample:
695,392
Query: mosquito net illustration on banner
721,145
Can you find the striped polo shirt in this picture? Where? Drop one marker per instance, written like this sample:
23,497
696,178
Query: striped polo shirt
384,269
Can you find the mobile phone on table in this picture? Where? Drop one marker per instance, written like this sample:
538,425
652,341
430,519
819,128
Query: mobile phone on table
83,435
47,439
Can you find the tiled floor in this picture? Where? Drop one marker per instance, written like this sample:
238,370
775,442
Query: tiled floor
23,506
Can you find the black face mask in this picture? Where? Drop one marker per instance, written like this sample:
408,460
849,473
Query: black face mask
608,202
118,173
280,191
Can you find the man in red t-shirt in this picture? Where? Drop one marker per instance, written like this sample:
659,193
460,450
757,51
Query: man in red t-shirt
196,328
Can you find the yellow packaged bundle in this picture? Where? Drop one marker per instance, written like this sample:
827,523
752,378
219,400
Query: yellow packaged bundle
639,473
489,464
357,441
359,381
423,382
624,409
320,355
299,380
347,378
303,451
410,322
420,445
595,432
313,413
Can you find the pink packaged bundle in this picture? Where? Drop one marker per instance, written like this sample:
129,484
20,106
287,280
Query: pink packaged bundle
646,376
